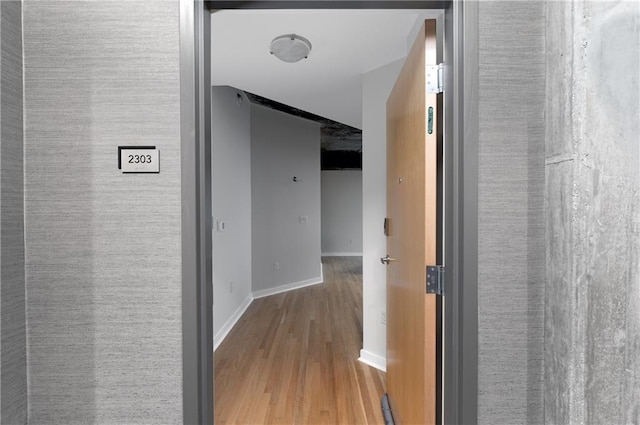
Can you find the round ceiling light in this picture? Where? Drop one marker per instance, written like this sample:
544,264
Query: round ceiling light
290,48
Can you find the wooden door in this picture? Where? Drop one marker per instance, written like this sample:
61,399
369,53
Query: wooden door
412,150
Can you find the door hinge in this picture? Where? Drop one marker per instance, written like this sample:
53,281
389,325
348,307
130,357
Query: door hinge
435,78
435,280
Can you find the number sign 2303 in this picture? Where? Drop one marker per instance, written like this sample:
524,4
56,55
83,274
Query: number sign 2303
139,160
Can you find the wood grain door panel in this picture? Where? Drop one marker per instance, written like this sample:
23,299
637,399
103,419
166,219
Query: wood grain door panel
412,210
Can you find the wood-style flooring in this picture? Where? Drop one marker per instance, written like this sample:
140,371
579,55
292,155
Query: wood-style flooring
292,357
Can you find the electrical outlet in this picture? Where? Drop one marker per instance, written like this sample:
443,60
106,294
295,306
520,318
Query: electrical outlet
383,317
231,287
276,266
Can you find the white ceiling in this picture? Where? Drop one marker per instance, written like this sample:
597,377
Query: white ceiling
346,44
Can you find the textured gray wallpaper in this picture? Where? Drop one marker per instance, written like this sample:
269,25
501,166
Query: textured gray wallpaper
592,339
511,267
103,257
13,351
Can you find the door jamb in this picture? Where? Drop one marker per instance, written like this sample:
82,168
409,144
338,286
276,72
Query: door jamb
461,216
195,168
460,203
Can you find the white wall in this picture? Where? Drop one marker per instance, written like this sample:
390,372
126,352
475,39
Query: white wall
341,212
284,146
231,198
376,86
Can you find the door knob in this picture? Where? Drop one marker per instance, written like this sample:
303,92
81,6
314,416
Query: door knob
387,259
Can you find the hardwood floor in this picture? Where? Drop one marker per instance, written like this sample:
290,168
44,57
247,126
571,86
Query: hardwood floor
292,357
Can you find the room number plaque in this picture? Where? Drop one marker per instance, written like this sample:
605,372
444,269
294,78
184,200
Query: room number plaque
138,159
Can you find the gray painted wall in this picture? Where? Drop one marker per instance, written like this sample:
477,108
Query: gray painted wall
103,257
13,351
511,258
341,202
284,146
231,194
592,338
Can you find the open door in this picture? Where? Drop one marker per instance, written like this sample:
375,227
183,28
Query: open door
412,210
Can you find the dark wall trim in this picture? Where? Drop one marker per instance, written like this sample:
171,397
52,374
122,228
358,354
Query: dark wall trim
195,129
461,212
468,198
205,213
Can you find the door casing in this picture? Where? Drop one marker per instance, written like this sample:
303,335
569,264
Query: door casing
460,345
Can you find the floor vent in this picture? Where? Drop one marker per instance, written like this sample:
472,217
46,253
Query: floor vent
386,411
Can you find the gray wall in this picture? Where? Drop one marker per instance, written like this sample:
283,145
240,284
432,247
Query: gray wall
284,146
593,213
103,258
13,351
231,194
511,259
341,200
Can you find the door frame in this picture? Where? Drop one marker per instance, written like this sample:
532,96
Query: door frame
460,339
195,171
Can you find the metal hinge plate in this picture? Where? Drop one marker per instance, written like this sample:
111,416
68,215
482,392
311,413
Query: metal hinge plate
435,280
435,78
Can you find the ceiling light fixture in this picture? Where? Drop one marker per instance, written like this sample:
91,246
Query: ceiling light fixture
290,48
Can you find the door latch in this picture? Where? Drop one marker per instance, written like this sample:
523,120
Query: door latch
386,260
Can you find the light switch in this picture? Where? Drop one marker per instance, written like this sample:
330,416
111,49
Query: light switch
220,225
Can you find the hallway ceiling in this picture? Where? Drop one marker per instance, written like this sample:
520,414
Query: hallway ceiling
346,44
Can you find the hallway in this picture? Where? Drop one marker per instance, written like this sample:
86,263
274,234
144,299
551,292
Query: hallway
292,357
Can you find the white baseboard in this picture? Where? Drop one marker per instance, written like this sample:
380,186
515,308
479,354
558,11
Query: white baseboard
288,287
342,254
373,360
226,328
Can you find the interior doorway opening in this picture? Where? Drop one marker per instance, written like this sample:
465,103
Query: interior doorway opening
380,76
460,235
